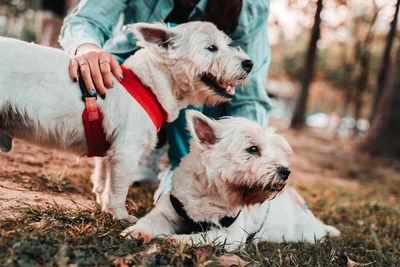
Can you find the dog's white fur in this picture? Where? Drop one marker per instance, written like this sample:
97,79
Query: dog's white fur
40,104
209,184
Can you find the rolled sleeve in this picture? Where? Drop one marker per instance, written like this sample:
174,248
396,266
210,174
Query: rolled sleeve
252,101
90,22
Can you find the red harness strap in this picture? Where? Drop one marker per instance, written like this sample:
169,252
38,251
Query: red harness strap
145,97
93,124
93,119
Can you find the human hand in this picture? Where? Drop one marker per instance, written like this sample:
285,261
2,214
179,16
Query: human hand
96,66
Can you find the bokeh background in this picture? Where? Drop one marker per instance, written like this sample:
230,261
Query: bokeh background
335,83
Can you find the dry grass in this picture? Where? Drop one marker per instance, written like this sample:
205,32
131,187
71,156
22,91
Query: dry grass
358,195
367,216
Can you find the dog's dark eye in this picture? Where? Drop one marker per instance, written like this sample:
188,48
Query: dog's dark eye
212,48
253,150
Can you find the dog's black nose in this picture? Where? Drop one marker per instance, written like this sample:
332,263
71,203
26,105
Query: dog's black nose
247,65
284,173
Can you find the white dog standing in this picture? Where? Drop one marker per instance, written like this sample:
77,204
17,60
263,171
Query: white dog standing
229,184
189,64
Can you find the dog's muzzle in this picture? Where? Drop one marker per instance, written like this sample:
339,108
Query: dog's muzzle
225,91
247,65
284,173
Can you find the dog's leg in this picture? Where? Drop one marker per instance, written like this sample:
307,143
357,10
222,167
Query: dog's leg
99,178
233,237
122,169
160,221
5,141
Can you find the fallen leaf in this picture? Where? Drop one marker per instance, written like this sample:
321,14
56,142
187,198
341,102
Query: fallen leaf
231,259
153,249
10,233
202,253
124,261
351,263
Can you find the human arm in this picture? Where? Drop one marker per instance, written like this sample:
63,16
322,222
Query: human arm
252,101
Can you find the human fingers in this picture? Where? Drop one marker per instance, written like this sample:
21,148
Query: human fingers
85,72
116,69
97,76
105,70
73,70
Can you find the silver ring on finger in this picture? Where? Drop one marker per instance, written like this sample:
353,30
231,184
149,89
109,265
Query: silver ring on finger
103,61
85,63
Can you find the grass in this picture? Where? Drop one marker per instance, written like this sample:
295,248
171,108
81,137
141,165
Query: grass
368,217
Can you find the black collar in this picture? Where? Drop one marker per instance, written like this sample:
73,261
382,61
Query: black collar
198,226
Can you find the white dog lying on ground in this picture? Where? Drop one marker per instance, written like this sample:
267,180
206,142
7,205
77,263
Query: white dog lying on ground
228,186
189,64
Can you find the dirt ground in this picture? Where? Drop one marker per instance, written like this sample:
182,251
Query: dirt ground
317,158
24,168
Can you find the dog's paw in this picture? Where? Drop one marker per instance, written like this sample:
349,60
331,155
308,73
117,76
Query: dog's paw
172,239
131,219
132,232
122,214
332,231
181,239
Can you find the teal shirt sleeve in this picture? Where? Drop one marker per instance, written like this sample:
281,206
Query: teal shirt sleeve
90,22
251,35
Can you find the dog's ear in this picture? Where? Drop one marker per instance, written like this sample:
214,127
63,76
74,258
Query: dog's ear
279,141
154,34
283,144
201,128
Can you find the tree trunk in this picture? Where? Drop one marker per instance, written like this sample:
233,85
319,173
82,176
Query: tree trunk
360,88
362,81
383,137
298,119
347,94
343,110
385,63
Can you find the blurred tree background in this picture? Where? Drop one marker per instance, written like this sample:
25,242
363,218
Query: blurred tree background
33,20
337,56
330,58
17,18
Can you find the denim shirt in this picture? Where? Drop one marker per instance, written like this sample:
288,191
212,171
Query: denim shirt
100,23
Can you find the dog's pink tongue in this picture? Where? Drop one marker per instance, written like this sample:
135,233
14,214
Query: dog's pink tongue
231,89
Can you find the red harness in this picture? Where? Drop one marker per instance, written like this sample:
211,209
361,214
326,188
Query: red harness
93,119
